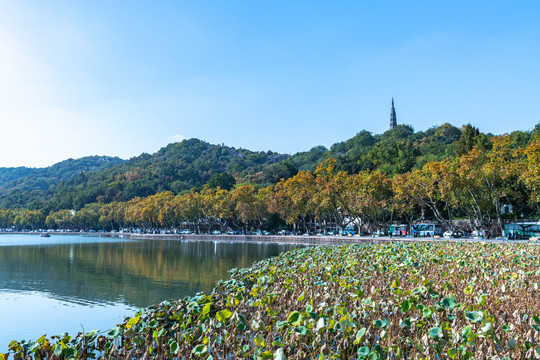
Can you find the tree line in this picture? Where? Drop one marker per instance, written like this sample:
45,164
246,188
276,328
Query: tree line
477,186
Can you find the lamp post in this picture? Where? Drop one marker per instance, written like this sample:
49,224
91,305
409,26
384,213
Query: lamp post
522,226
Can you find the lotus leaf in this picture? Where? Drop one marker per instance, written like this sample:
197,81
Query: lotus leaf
474,316
381,323
223,315
200,350
363,351
435,332
406,305
448,303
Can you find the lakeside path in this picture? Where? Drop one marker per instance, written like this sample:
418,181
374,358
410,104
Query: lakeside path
307,240
281,239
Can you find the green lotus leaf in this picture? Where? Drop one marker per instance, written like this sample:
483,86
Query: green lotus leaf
405,323
173,345
435,332
302,330
295,318
200,350
114,332
448,303
381,324
363,351
427,312
406,305
474,316
359,336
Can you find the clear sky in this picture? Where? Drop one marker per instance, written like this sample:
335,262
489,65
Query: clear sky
120,78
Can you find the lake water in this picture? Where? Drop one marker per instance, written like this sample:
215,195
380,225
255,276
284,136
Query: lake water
67,283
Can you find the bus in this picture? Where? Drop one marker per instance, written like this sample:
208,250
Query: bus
426,230
399,230
522,230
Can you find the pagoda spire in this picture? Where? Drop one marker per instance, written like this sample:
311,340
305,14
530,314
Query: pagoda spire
393,119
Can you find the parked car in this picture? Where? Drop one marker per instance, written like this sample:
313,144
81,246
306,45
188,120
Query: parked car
216,232
478,234
452,234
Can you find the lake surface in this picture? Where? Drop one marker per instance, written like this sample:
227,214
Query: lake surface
67,283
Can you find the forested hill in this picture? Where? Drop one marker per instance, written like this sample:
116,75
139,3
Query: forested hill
177,167
402,149
393,152
24,178
192,163
21,184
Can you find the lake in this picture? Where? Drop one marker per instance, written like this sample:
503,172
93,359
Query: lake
67,283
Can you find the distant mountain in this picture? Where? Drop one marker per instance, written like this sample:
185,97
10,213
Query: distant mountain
177,167
18,178
17,182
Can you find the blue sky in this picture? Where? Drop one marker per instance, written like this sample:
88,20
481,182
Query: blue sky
124,77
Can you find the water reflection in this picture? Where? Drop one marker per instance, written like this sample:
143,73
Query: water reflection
117,274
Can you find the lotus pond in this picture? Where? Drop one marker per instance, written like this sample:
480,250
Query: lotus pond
389,301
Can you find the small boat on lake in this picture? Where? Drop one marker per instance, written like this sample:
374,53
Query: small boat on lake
45,235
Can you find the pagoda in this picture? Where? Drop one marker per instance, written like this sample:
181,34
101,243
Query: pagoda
393,121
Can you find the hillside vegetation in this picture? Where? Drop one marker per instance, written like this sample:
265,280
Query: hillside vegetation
21,186
177,167
441,174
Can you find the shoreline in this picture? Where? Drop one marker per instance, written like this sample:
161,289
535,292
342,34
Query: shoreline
277,239
313,239
280,239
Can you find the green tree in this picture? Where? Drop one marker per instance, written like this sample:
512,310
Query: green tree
393,156
471,137
222,180
281,170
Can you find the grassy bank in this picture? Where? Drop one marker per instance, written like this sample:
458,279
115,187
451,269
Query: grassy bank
388,301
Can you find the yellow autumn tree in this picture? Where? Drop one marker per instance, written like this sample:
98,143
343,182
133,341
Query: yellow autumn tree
294,199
